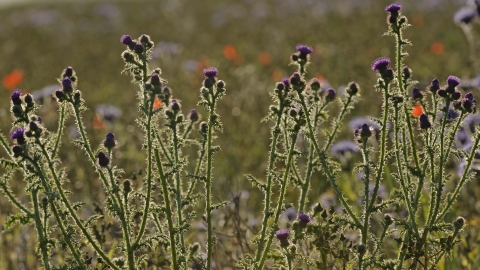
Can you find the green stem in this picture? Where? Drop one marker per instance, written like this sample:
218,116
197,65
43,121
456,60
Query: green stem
165,152
171,230
280,199
61,124
366,164
38,225
148,130
268,191
178,185
323,162
197,170
208,184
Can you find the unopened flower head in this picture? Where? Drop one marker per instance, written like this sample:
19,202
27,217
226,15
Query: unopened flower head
286,82
155,80
67,84
304,219
210,72
434,85
424,122
103,159
417,94
126,39
109,141
193,115
330,95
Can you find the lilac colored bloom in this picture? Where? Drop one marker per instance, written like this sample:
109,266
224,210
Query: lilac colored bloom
393,8
343,147
304,49
17,133
453,81
282,234
380,64
304,219
464,15
126,40
210,72
424,122
15,97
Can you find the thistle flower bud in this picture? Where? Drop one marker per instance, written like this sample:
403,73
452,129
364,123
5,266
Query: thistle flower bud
388,220
59,94
417,94
174,105
126,40
203,127
442,93
17,150
220,84
434,86
361,248
29,100
67,85
292,112
139,49
155,80
280,86
68,72
317,208
44,201
407,72
330,95
127,186
208,82
33,126
456,95
364,132
295,79
109,141
103,159
193,115
294,57
353,88
424,122
315,84
128,56
303,51
459,222
145,39
286,82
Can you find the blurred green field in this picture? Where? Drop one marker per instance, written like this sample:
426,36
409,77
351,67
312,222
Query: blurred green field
248,41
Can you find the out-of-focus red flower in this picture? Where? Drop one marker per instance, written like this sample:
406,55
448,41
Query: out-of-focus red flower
13,79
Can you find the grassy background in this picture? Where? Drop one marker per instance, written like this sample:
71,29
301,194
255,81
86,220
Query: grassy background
248,41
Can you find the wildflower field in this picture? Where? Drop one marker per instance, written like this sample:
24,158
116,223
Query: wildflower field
240,135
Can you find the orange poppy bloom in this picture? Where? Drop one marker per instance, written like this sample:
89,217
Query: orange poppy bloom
417,110
437,48
230,52
157,104
98,123
264,58
13,79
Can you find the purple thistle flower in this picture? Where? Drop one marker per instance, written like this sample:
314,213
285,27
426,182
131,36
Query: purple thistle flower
341,148
126,40
109,141
304,49
15,97
304,219
424,122
210,72
363,132
469,96
295,78
283,235
380,64
103,160
67,84
453,81
393,8
174,105
464,15
18,134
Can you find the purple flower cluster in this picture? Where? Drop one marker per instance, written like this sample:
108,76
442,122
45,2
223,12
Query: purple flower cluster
283,235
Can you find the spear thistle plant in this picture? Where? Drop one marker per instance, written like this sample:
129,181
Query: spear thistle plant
411,227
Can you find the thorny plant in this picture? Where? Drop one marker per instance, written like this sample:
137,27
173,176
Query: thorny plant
155,222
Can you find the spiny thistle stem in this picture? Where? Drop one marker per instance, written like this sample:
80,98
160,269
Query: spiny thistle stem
178,185
268,190
41,236
61,124
208,183
281,197
171,230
